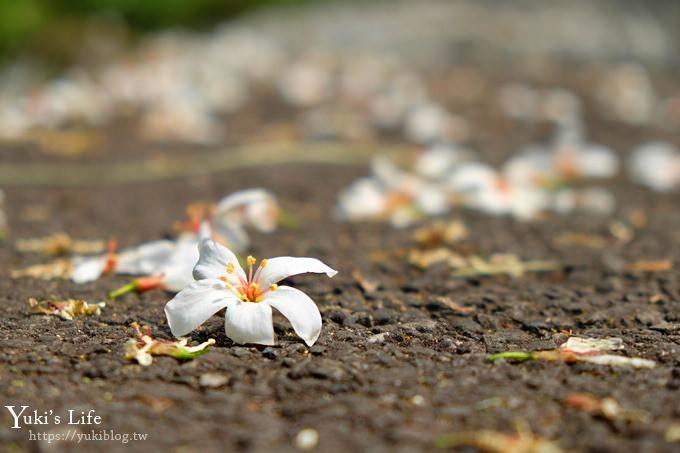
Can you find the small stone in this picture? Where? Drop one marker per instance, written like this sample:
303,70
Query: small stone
306,439
418,400
317,349
337,316
212,380
240,352
270,353
378,338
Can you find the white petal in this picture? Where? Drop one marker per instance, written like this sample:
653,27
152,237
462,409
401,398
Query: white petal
88,269
286,266
239,198
192,306
213,261
255,207
144,259
617,360
232,235
598,161
299,309
177,272
249,322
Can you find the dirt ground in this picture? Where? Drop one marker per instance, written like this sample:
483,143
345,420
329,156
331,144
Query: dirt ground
394,368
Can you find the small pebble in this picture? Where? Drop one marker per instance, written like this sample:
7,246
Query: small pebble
212,380
306,439
418,400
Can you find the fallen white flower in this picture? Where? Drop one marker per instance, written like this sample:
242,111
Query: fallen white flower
438,160
248,297
656,165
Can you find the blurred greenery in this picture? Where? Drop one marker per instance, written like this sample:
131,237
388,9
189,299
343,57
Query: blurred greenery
35,25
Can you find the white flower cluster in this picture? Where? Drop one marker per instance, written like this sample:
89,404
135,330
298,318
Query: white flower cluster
181,85
533,181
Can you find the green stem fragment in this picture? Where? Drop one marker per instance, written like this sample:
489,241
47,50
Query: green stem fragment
132,286
511,355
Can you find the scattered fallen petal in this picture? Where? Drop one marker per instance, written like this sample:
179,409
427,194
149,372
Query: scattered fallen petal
497,442
144,347
59,244
505,264
621,231
650,266
581,239
580,345
66,309
580,350
440,233
368,286
424,259
60,268
63,142
454,305
608,408
672,433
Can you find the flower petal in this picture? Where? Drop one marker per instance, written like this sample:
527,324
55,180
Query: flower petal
177,271
232,235
87,269
144,259
299,309
214,260
249,322
192,306
286,266
255,207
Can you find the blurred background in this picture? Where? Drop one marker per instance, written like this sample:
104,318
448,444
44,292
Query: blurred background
115,79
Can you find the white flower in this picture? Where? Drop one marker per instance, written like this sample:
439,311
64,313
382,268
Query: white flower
364,199
656,165
438,160
585,160
250,207
430,122
470,177
391,194
531,166
248,297
141,260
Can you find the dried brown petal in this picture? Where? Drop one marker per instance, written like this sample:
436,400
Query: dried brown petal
650,266
66,309
59,244
60,268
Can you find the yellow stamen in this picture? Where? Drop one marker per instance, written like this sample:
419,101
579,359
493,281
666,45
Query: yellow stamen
251,260
274,287
263,263
230,268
